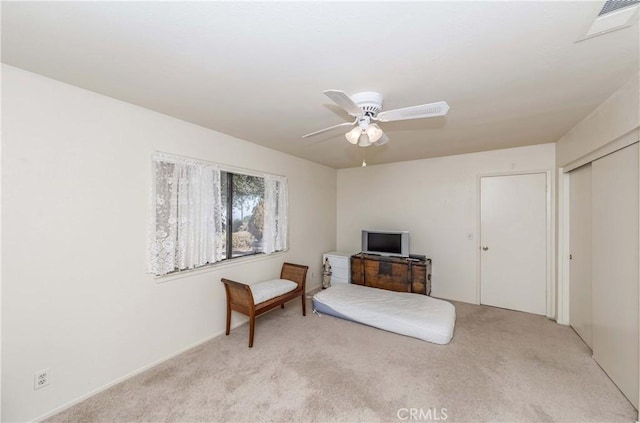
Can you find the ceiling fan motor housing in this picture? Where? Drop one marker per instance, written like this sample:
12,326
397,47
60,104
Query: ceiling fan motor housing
369,101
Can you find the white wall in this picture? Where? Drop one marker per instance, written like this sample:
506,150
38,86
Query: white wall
75,183
437,201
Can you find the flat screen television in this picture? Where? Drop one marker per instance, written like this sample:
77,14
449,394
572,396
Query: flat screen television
386,243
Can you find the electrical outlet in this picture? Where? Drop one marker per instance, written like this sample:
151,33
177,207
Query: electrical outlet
41,379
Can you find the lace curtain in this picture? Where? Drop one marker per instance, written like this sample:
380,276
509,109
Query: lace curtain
187,220
275,214
186,229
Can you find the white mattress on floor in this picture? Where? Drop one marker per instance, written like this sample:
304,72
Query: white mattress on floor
415,315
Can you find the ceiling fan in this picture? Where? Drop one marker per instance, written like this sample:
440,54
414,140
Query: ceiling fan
366,108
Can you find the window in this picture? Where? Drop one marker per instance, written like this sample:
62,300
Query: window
204,213
243,212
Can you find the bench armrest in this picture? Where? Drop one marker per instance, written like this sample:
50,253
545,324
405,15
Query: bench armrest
296,273
238,293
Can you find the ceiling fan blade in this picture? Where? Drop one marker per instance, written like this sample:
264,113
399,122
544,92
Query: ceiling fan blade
343,100
383,140
415,112
330,128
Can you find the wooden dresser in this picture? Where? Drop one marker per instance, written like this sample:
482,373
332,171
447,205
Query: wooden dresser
392,273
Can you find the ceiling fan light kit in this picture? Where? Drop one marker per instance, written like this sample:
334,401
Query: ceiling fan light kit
374,132
364,140
383,140
353,135
366,107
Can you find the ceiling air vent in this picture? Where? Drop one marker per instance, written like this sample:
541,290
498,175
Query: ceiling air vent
612,5
615,15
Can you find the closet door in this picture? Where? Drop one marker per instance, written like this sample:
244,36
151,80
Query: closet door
615,267
580,316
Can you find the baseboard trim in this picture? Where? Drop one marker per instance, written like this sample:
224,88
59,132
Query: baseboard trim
132,374
311,289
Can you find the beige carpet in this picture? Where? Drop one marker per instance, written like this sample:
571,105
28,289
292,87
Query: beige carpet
501,366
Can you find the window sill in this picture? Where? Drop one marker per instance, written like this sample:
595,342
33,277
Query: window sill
218,266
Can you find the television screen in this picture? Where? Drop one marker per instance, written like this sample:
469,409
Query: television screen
384,243
387,243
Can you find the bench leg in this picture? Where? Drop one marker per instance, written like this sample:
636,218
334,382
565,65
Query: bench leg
304,305
228,318
282,305
252,324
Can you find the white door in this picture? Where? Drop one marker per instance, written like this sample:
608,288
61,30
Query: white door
513,234
580,250
615,267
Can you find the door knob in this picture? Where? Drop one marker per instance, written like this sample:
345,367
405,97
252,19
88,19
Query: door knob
485,248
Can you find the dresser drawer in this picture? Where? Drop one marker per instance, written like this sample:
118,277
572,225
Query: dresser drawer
338,262
340,273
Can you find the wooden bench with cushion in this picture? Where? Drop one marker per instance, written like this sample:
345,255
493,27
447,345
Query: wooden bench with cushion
253,300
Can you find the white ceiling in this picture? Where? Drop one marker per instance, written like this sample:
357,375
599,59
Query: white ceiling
510,71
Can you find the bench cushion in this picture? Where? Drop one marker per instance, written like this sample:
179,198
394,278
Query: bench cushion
264,291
